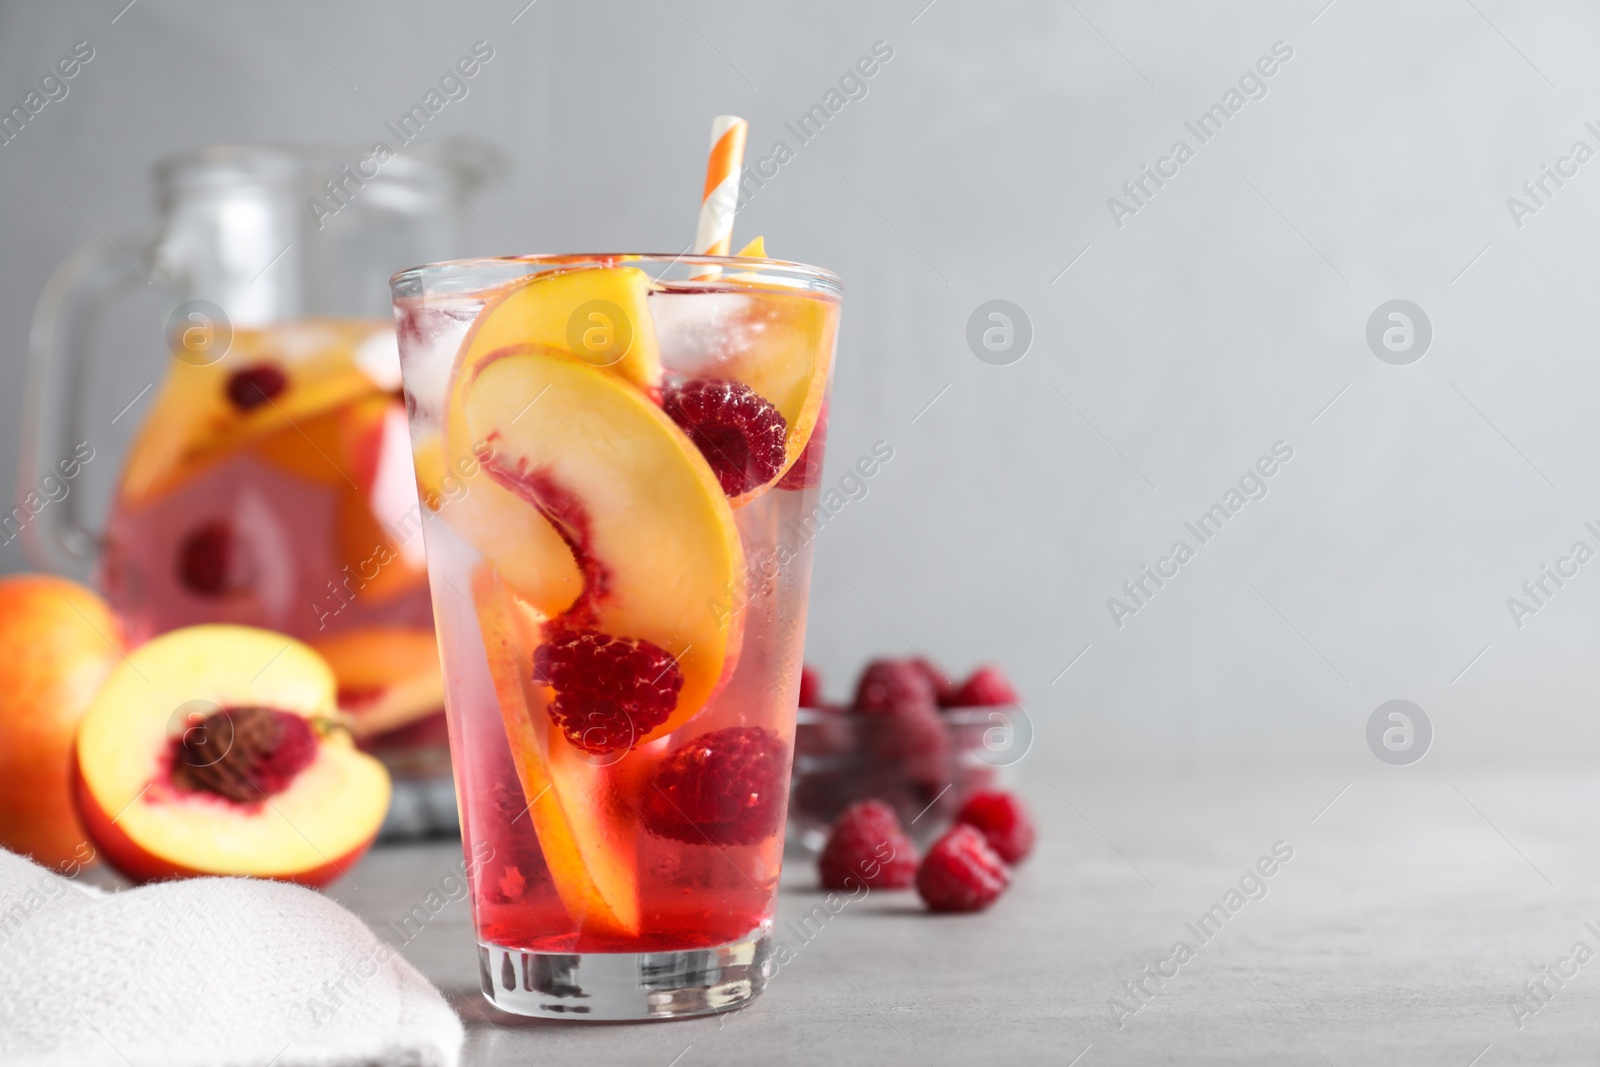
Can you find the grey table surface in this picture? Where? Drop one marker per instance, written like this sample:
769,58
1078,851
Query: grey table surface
1413,910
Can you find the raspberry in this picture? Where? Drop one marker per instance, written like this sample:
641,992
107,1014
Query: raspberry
961,872
214,562
610,691
725,787
1004,823
944,688
810,687
741,435
806,471
252,386
902,731
892,685
867,846
986,688
911,742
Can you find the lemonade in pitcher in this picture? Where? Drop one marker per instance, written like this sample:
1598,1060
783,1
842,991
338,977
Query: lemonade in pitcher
273,487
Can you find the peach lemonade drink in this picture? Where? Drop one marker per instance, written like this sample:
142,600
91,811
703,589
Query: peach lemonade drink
620,583
271,485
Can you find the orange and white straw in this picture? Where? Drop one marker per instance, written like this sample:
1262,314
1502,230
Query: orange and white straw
714,235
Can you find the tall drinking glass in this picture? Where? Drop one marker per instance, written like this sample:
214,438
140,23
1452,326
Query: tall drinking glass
619,459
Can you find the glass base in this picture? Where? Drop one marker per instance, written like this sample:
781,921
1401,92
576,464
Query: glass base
613,986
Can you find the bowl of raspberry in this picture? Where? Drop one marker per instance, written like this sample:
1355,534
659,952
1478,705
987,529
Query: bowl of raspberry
911,737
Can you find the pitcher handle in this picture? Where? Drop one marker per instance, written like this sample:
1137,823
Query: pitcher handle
54,444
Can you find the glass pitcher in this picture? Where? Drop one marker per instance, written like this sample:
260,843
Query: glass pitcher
270,481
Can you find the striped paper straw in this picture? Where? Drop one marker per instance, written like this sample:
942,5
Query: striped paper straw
721,196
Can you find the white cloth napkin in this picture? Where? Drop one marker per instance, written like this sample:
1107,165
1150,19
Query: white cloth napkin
225,972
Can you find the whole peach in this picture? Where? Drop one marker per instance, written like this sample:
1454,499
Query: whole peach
58,641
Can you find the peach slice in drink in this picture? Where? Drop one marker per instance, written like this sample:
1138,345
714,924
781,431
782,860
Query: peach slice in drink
783,342
636,506
599,315
528,551
587,848
428,455
772,339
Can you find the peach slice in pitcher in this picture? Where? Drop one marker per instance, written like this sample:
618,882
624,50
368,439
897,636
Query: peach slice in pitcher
638,510
204,412
337,447
588,850
388,676
380,520
361,453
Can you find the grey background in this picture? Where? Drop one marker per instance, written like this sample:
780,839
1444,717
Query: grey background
1224,316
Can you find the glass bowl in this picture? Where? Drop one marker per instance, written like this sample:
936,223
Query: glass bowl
842,757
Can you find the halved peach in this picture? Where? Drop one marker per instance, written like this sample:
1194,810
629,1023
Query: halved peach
194,422
388,676
634,502
588,850
209,751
